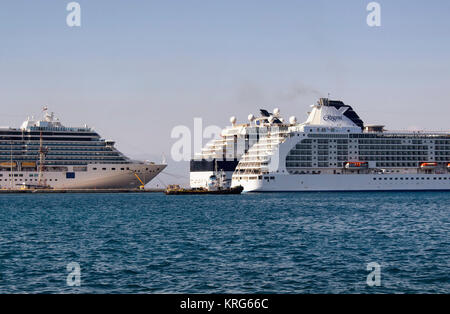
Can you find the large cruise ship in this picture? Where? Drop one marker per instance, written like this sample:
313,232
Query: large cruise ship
44,153
223,154
335,151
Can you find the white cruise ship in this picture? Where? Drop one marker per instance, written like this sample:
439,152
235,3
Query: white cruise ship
223,154
44,153
335,151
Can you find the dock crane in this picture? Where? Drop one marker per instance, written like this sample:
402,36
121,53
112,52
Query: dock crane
142,186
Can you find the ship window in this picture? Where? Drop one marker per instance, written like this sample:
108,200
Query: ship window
70,175
103,168
113,168
122,168
94,168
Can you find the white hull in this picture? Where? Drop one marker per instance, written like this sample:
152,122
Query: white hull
94,178
356,182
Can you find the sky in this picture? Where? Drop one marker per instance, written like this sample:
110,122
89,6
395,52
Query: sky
134,70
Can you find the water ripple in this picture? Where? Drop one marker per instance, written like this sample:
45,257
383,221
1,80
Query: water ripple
259,243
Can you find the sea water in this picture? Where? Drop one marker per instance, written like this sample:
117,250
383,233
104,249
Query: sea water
250,243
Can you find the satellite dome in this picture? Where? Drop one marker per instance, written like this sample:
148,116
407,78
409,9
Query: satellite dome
251,117
233,120
293,120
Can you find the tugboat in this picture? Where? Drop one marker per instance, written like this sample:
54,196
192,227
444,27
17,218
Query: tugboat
217,184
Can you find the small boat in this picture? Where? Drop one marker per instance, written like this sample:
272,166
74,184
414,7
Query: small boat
177,190
217,184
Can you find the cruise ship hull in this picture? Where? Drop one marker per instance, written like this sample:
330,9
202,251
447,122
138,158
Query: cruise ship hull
347,182
101,176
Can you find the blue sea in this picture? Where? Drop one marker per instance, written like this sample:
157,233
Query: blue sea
252,243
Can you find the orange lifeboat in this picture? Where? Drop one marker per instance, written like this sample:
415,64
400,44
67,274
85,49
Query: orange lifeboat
428,165
12,164
357,165
28,164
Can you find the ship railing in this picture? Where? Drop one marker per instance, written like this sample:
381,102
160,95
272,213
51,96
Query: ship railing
406,132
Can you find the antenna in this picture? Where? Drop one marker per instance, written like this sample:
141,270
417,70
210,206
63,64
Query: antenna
42,153
11,167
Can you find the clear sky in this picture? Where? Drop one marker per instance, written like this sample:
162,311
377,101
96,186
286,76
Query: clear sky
135,69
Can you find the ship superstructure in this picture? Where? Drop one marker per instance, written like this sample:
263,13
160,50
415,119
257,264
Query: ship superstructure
224,153
46,153
335,151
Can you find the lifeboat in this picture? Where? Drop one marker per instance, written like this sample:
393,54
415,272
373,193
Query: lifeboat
448,166
28,164
357,165
11,164
428,165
